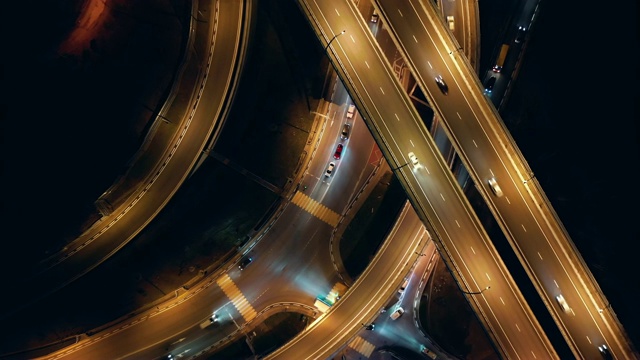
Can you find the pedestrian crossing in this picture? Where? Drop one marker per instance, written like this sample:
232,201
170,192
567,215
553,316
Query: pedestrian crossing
237,299
362,346
316,209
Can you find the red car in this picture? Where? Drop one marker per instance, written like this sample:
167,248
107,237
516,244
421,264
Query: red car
338,152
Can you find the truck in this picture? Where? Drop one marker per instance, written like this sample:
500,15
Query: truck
322,304
501,56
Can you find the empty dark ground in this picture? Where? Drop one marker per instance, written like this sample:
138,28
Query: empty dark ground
76,112
575,120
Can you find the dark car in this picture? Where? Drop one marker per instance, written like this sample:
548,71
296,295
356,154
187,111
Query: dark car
346,129
604,351
338,153
370,326
522,32
374,17
246,261
488,86
441,84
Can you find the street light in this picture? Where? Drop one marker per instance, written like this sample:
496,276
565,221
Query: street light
602,309
399,167
531,178
333,38
477,292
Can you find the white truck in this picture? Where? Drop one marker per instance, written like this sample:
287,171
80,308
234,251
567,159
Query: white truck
322,305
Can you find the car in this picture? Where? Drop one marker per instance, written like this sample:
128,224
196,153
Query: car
442,85
403,286
563,304
414,160
396,314
370,326
346,129
522,32
488,86
374,17
330,168
428,352
604,351
246,261
450,22
350,111
493,184
336,155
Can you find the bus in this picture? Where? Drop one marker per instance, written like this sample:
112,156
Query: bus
500,62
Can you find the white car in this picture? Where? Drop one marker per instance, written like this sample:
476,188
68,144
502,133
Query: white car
396,314
563,304
330,168
450,22
414,159
350,111
495,187
403,286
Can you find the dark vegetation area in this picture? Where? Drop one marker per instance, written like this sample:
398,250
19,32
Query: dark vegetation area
76,111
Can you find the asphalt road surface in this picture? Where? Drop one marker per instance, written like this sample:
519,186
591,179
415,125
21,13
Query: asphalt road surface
434,192
114,231
526,216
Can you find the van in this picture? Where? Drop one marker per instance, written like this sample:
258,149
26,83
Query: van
396,314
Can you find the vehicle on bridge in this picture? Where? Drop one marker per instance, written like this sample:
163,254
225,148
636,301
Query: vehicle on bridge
493,183
522,32
501,56
563,304
450,20
442,85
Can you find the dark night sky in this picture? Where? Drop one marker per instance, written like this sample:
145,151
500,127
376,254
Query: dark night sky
577,97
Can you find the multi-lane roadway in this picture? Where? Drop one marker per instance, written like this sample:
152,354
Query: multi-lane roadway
176,156
434,193
487,150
